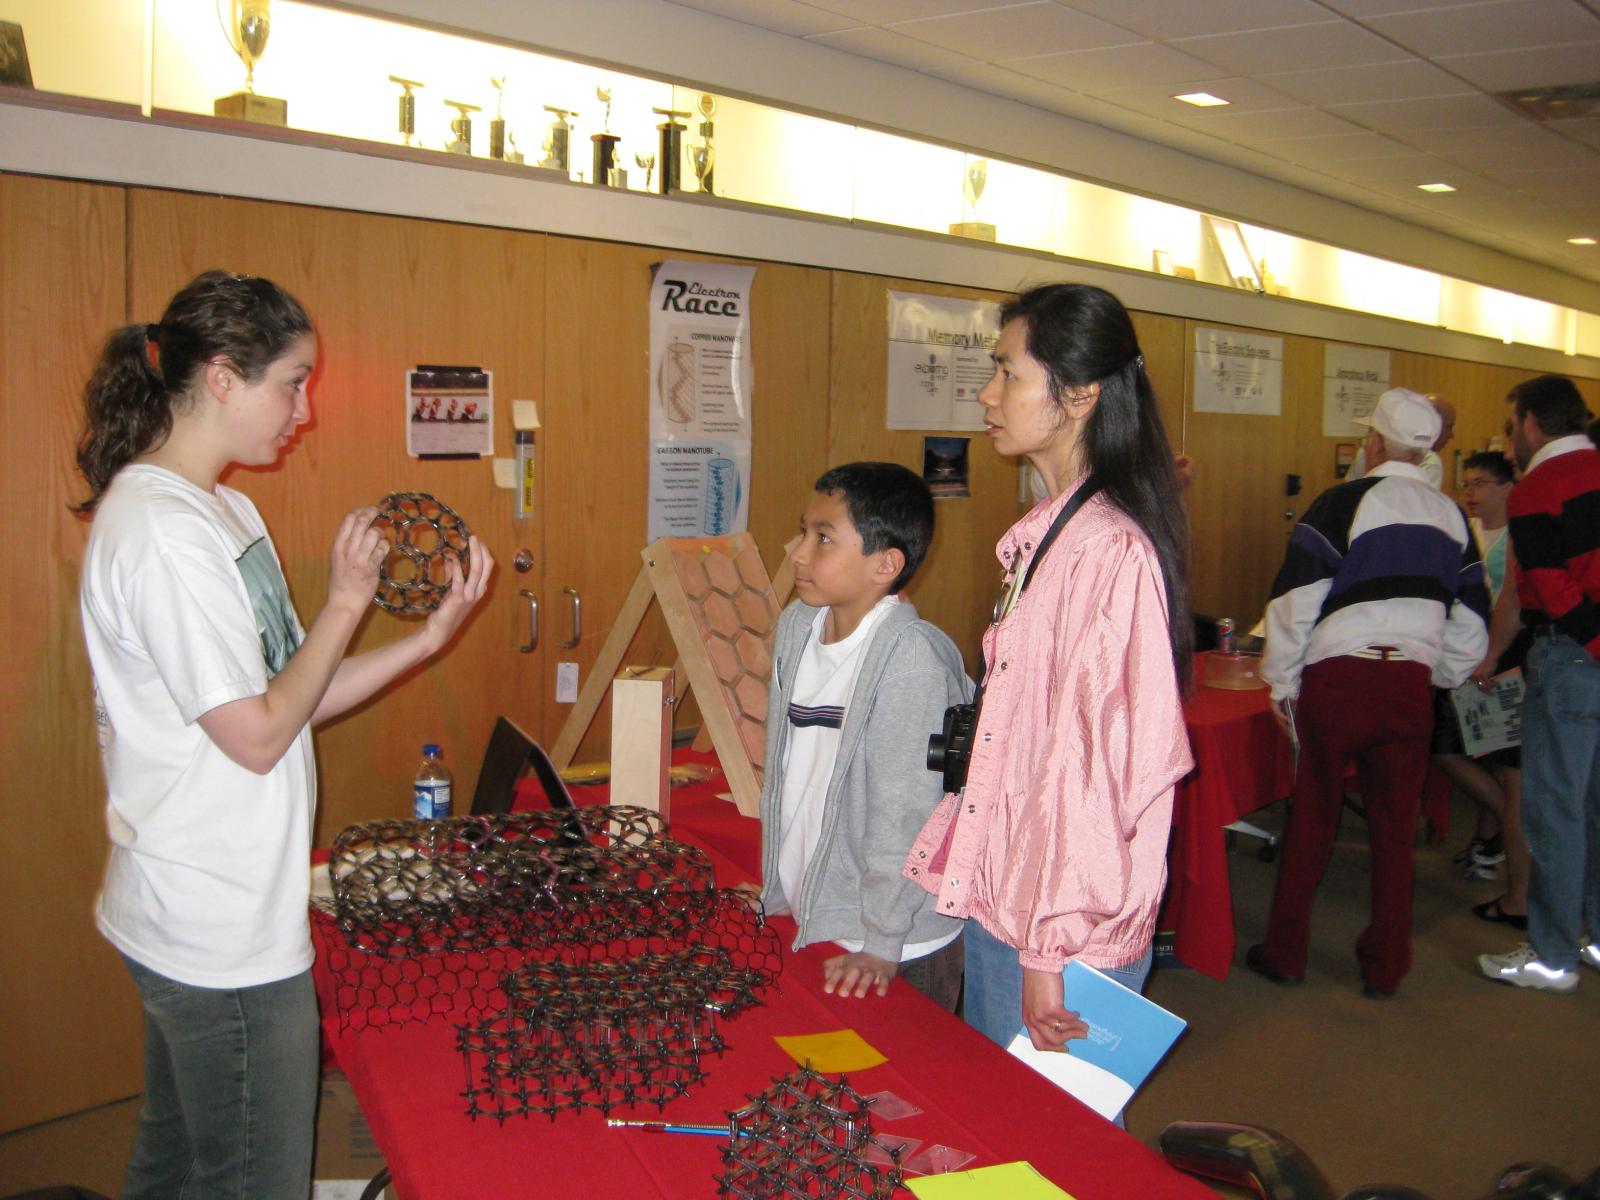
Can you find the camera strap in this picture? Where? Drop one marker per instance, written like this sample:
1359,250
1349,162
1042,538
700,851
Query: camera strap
1082,496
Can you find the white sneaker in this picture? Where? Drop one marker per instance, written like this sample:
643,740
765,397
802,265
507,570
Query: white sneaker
1522,968
1590,953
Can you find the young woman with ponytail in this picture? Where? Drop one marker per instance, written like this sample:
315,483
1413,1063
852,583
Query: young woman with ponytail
207,687
1056,847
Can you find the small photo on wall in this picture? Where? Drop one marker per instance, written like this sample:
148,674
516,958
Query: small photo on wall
944,466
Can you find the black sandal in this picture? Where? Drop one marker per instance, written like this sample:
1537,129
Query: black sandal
1490,910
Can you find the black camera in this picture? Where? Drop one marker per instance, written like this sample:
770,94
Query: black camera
950,750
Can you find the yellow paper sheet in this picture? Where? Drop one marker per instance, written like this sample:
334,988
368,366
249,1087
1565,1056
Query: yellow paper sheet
1007,1181
831,1053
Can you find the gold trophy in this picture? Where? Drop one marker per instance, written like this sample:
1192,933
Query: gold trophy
461,126
703,158
972,182
247,25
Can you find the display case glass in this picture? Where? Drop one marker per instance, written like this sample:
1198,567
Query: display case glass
331,73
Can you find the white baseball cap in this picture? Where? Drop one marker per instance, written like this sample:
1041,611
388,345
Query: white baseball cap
1406,417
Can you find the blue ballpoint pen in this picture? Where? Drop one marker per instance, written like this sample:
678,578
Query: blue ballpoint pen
670,1127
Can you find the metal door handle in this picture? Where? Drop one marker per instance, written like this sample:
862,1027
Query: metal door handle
532,643
577,617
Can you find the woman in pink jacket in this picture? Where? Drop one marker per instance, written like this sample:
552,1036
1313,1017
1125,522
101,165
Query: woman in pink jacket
1056,847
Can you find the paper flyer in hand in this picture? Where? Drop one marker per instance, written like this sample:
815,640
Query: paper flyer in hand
1128,1036
1490,720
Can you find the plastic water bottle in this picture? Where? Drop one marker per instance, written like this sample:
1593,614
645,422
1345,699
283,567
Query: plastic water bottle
1225,635
431,786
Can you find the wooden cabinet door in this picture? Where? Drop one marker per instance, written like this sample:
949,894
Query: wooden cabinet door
69,1016
1241,516
597,430
386,294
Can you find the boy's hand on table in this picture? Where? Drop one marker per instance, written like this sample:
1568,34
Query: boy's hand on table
854,974
750,893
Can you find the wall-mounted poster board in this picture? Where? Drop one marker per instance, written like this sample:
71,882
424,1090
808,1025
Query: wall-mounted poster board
1237,372
1353,377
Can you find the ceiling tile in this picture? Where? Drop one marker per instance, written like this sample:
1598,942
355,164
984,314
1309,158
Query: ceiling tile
889,47
1412,169
1297,48
1024,29
1249,127
1243,95
783,16
1163,20
1335,148
1099,69
1503,25
1542,67
882,12
1407,79
1579,129
1361,9
1435,113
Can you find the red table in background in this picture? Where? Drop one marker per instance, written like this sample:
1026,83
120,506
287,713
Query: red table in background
1241,763
408,1079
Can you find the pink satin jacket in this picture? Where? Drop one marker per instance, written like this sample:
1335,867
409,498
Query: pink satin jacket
1058,843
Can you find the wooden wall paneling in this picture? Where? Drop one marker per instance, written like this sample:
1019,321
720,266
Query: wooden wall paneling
1237,501
1166,362
957,583
386,294
69,1016
597,422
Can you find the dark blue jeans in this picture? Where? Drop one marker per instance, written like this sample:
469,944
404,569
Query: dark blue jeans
1561,796
231,1082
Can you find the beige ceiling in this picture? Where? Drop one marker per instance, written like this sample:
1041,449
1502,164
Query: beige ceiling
1358,99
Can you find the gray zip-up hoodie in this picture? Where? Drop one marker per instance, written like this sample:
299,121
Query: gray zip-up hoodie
880,792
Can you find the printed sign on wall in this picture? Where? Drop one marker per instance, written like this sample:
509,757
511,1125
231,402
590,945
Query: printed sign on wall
701,378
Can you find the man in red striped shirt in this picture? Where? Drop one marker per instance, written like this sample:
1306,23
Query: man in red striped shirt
1554,519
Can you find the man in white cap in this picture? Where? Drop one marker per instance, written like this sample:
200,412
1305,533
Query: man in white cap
1432,465
1380,595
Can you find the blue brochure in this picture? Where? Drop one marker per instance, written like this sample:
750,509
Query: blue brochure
1128,1036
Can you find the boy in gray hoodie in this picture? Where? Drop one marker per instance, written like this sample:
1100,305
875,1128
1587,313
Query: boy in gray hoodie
858,685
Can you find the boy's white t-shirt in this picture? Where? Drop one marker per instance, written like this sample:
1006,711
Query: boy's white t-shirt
184,609
824,679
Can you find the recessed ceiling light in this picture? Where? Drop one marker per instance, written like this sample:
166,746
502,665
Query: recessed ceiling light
1202,99
1581,241
1435,187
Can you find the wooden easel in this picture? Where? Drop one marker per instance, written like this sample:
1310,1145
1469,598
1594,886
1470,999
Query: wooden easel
657,580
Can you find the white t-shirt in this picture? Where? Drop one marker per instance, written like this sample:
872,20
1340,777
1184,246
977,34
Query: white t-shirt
823,681
184,609
1492,546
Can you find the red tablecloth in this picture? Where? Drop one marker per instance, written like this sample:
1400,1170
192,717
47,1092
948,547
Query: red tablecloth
408,1080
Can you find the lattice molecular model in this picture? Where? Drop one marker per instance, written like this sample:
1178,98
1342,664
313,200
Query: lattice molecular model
734,610
424,535
805,1136
523,880
605,1034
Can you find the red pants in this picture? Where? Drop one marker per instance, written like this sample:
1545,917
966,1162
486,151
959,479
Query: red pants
1380,716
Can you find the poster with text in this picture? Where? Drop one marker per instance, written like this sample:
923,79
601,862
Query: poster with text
1238,373
701,378
939,351
1353,377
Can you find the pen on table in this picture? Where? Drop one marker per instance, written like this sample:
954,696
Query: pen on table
670,1127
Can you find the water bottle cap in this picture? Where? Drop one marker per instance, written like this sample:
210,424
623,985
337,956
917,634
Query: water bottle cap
429,750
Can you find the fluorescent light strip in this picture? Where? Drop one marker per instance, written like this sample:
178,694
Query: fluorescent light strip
1202,99
1434,187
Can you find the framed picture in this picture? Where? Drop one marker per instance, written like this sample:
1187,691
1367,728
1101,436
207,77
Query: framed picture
14,56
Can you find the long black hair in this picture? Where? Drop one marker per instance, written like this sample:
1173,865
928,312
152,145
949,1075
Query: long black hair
146,373
1082,335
